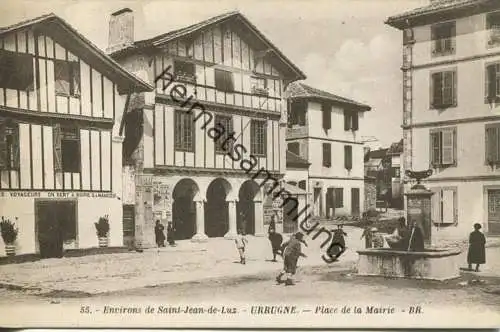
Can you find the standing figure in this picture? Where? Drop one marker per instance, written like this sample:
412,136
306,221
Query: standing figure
159,235
170,234
276,241
377,238
337,247
368,235
272,224
241,243
477,252
291,254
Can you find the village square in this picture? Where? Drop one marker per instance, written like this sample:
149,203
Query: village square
198,170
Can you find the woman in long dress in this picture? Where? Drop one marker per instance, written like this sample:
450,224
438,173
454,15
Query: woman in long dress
477,251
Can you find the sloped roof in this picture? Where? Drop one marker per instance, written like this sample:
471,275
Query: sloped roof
294,190
70,38
298,90
292,160
174,34
439,8
396,148
378,154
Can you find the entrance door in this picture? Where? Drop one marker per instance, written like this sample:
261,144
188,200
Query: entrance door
355,203
56,223
494,211
317,202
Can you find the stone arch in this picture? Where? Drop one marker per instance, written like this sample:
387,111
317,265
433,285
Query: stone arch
184,209
248,194
216,207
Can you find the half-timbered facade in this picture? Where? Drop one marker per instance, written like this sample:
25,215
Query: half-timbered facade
61,101
222,73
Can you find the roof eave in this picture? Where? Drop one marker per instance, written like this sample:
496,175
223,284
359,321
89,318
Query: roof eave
360,107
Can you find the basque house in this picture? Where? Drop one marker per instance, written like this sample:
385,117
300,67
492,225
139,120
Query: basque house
209,143
324,129
61,101
451,104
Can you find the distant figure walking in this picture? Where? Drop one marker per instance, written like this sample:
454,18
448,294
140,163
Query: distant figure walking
159,235
276,241
291,254
241,243
272,224
368,235
170,234
477,251
337,247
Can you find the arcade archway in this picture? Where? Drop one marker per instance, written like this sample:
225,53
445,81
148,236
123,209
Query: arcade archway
184,209
216,208
249,191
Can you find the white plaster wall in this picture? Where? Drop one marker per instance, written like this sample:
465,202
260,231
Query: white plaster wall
24,209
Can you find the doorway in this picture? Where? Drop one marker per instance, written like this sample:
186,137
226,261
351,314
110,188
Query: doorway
317,202
216,208
246,207
56,223
355,203
184,209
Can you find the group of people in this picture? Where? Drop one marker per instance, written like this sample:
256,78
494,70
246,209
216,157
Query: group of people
160,235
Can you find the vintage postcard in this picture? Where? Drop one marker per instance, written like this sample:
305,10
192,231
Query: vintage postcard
257,164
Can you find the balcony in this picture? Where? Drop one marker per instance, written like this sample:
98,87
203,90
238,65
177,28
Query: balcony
297,131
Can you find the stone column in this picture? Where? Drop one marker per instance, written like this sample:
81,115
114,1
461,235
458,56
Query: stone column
259,218
200,235
231,206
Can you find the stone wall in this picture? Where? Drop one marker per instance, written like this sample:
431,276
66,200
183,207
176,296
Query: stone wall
370,194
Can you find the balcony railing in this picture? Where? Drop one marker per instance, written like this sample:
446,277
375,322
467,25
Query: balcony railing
296,131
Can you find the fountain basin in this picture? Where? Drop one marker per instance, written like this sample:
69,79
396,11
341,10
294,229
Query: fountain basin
432,264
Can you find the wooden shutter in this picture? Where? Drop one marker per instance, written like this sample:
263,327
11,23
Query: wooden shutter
57,137
448,147
327,116
435,150
437,88
448,206
448,88
491,144
355,121
16,147
219,80
339,197
347,120
3,144
491,82
75,78
327,154
436,205
348,157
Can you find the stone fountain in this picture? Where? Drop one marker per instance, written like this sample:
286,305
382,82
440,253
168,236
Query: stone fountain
410,255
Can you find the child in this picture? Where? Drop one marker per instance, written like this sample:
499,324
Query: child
291,254
241,242
276,241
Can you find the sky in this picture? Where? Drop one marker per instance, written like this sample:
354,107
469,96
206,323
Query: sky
343,46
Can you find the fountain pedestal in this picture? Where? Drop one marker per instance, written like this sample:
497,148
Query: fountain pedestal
434,264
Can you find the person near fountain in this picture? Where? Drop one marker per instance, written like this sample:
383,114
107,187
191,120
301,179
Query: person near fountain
337,247
396,239
477,252
368,236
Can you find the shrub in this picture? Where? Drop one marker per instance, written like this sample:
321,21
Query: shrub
102,226
9,231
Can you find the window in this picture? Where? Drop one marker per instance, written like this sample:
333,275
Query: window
67,78
327,155
492,143
443,147
444,87
294,148
184,131
258,137
16,71
339,197
493,25
297,114
348,157
351,121
443,39
185,71
9,145
224,80
259,86
444,205
224,124
66,142
395,172
327,116
492,88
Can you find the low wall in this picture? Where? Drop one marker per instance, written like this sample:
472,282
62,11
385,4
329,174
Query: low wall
433,264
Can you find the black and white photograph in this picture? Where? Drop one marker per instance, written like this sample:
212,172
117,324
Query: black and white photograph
250,164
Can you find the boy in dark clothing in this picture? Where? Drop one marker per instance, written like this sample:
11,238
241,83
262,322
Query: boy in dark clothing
477,243
170,234
276,241
338,243
291,254
159,236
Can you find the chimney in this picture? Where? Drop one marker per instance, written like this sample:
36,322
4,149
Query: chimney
121,30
